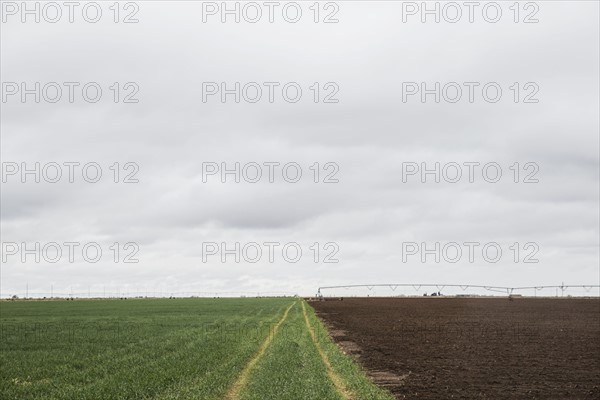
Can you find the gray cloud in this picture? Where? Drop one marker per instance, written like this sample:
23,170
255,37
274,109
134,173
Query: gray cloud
370,133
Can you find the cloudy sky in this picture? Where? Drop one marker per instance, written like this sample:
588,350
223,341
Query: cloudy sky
370,132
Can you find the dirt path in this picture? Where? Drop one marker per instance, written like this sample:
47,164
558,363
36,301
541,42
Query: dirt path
236,388
335,379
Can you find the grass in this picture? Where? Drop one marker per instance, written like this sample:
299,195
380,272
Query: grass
172,349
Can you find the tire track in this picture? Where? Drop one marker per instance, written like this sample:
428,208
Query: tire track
236,388
333,376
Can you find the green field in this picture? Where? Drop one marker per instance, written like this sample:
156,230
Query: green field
173,349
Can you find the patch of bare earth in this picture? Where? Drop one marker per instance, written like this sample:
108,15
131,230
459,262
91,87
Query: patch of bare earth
472,348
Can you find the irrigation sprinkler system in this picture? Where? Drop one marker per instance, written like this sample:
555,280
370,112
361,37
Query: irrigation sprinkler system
501,289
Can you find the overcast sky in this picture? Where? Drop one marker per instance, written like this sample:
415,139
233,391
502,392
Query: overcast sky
369,135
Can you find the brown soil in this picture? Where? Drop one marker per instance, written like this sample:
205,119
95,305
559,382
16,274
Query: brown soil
472,348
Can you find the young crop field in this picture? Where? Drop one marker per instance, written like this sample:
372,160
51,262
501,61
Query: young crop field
173,349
